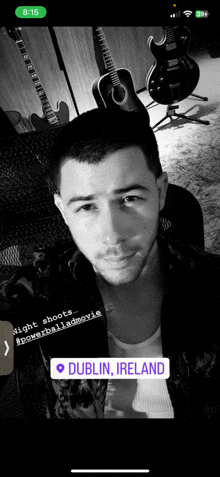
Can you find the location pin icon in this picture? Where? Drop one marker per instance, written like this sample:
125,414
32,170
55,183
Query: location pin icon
60,368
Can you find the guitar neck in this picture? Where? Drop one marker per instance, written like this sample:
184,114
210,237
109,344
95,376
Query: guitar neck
107,57
51,116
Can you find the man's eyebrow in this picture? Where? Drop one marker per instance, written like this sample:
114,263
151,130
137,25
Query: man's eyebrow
116,191
131,187
80,198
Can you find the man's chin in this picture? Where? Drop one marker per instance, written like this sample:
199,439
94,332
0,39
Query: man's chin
122,271
119,277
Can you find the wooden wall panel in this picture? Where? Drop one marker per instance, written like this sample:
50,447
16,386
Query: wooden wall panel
76,45
128,48
17,91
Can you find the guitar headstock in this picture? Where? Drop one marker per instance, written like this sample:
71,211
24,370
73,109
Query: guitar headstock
14,33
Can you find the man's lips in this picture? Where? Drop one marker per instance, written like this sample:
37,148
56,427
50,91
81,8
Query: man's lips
120,259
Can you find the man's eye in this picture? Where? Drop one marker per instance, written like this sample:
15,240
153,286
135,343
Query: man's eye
130,198
86,208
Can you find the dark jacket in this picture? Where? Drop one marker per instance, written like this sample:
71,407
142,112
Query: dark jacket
57,283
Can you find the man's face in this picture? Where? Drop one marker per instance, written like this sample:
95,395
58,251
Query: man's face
112,211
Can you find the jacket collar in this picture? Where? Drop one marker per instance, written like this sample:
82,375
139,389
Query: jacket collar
81,268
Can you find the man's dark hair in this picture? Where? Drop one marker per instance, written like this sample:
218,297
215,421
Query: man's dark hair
98,132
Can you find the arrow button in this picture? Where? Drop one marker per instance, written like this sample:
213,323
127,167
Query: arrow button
6,348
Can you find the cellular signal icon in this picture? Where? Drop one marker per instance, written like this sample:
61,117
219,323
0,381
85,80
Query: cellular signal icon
187,13
175,15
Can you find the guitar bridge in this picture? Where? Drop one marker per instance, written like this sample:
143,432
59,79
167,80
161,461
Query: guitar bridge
174,68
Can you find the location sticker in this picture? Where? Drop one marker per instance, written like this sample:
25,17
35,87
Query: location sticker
60,368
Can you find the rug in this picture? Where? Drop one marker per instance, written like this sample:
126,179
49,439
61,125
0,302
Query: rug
190,151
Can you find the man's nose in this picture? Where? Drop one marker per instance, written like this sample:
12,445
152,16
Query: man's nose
113,228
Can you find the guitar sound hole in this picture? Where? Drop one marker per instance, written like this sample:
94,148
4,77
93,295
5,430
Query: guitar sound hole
118,93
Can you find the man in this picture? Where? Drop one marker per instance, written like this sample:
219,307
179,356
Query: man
143,296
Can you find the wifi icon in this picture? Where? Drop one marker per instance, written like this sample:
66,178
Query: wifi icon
187,13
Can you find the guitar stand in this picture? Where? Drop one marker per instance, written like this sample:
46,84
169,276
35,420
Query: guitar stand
204,98
171,112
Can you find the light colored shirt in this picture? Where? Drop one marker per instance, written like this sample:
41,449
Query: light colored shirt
137,398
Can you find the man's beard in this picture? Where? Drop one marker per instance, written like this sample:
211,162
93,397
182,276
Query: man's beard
128,274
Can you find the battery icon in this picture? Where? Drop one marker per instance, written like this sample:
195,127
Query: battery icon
201,14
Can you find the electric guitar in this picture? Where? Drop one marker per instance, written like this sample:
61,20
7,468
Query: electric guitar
50,118
174,75
115,89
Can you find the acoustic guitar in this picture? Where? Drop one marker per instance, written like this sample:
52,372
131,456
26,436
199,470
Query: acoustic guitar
115,89
50,118
174,75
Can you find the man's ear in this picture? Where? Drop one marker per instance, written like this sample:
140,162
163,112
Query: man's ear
59,203
162,185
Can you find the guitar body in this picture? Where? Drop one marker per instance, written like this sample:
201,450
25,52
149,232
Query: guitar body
174,75
122,96
27,125
62,115
21,124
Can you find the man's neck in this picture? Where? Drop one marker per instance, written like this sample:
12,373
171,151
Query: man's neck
133,310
